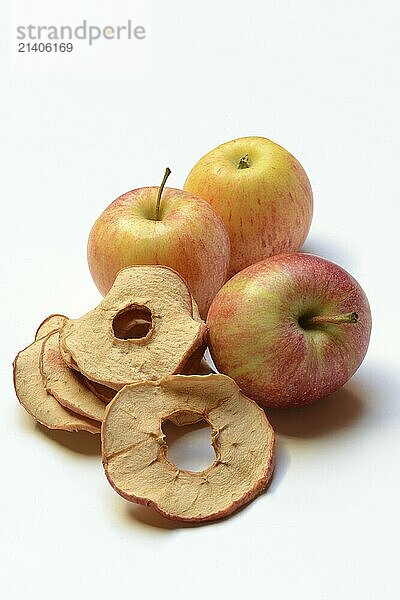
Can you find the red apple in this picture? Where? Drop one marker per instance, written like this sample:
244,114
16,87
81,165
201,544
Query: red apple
262,194
290,329
153,225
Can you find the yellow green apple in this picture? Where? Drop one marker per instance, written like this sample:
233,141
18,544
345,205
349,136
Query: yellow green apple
161,226
262,194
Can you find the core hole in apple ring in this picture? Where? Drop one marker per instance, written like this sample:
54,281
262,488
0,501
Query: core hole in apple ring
132,323
188,442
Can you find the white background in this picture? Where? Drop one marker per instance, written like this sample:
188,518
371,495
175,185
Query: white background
320,78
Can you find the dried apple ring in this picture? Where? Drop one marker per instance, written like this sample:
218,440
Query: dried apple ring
105,394
65,384
143,329
135,455
41,405
50,325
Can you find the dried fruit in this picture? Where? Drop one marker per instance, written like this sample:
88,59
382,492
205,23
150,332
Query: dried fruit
49,325
135,456
65,384
104,393
53,324
142,330
33,396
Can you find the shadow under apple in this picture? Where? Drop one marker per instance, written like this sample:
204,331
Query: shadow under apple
337,411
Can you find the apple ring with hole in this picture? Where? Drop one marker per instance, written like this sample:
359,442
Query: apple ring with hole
76,392
135,455
143,329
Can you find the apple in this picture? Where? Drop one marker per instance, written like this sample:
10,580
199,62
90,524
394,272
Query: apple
161,226
290,329
262,194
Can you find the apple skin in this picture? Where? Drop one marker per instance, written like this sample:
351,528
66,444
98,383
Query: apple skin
255,336
189,237
267,208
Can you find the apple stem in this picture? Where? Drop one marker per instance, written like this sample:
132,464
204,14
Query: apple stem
160,191
334,319
244,162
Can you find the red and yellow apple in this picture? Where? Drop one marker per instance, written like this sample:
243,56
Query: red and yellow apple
161,226
290,329
262,194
